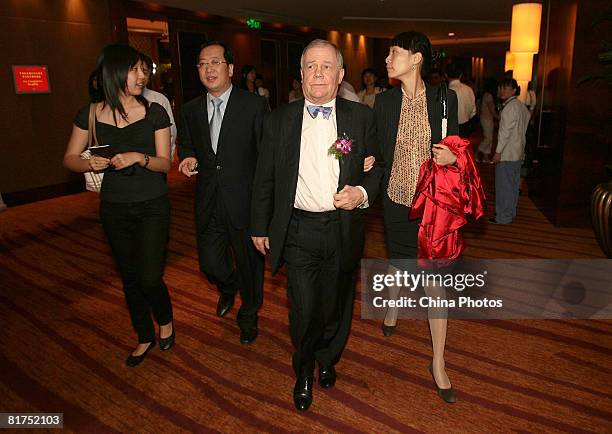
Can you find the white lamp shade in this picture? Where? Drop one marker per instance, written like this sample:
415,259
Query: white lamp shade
523,66
509,65
525,33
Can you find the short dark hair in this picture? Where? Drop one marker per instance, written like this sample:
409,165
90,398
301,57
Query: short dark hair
511,82
454,71
415,42
490,85
146,60
367,71
227,51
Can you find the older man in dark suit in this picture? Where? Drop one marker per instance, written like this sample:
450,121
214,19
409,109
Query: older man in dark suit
307,209
218,140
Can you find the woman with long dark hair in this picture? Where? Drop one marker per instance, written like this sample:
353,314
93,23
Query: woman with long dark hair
247,79
409,120
134,206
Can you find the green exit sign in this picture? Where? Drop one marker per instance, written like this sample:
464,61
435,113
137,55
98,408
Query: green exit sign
252,23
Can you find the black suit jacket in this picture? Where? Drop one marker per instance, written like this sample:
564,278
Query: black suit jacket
387,113
276,179
230,171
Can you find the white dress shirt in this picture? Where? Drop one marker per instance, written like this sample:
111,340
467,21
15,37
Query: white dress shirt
319,172
514,119
347,91
466,101
160,98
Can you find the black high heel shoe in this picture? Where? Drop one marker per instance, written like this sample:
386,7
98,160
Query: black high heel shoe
448,395
133,361
166,343
387,329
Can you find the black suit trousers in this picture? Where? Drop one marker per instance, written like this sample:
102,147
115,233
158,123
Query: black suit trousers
320,293
229,260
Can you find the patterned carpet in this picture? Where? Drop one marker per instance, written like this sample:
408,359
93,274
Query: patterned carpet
66,334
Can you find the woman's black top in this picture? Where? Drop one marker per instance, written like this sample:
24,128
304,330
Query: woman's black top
134,183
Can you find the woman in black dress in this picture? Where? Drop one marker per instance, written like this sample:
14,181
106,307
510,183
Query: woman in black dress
134,206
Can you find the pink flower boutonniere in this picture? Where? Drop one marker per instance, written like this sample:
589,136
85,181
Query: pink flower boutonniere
342,146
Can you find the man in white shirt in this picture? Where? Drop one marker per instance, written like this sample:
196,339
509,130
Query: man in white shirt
465,98
510,152
159,98
347,91
304,210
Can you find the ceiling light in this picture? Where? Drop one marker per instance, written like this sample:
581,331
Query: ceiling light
451,33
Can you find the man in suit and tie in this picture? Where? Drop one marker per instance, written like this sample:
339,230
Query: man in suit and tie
308,207
218,140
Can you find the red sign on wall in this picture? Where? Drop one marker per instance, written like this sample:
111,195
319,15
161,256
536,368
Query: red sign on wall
31,79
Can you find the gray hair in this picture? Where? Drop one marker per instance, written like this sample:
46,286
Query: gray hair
322,43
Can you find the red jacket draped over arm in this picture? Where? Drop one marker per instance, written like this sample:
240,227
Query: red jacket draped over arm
443,197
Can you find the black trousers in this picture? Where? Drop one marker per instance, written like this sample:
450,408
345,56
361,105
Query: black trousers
320,293
229,260
138,235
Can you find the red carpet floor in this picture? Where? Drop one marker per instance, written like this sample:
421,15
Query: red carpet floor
66,333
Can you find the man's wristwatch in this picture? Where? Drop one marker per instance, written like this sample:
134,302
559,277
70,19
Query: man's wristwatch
146,157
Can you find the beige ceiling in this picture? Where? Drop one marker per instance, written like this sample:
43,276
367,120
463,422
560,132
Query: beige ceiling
472,21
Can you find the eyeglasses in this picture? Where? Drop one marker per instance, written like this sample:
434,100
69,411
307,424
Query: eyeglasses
214,63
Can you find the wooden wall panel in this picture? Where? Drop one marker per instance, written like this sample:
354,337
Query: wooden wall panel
576,120
587,140
67,36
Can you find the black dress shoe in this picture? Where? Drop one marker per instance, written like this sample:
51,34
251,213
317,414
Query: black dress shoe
302,393
448,395
225,304
248,335
388,330
327,376
166,343
133,361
